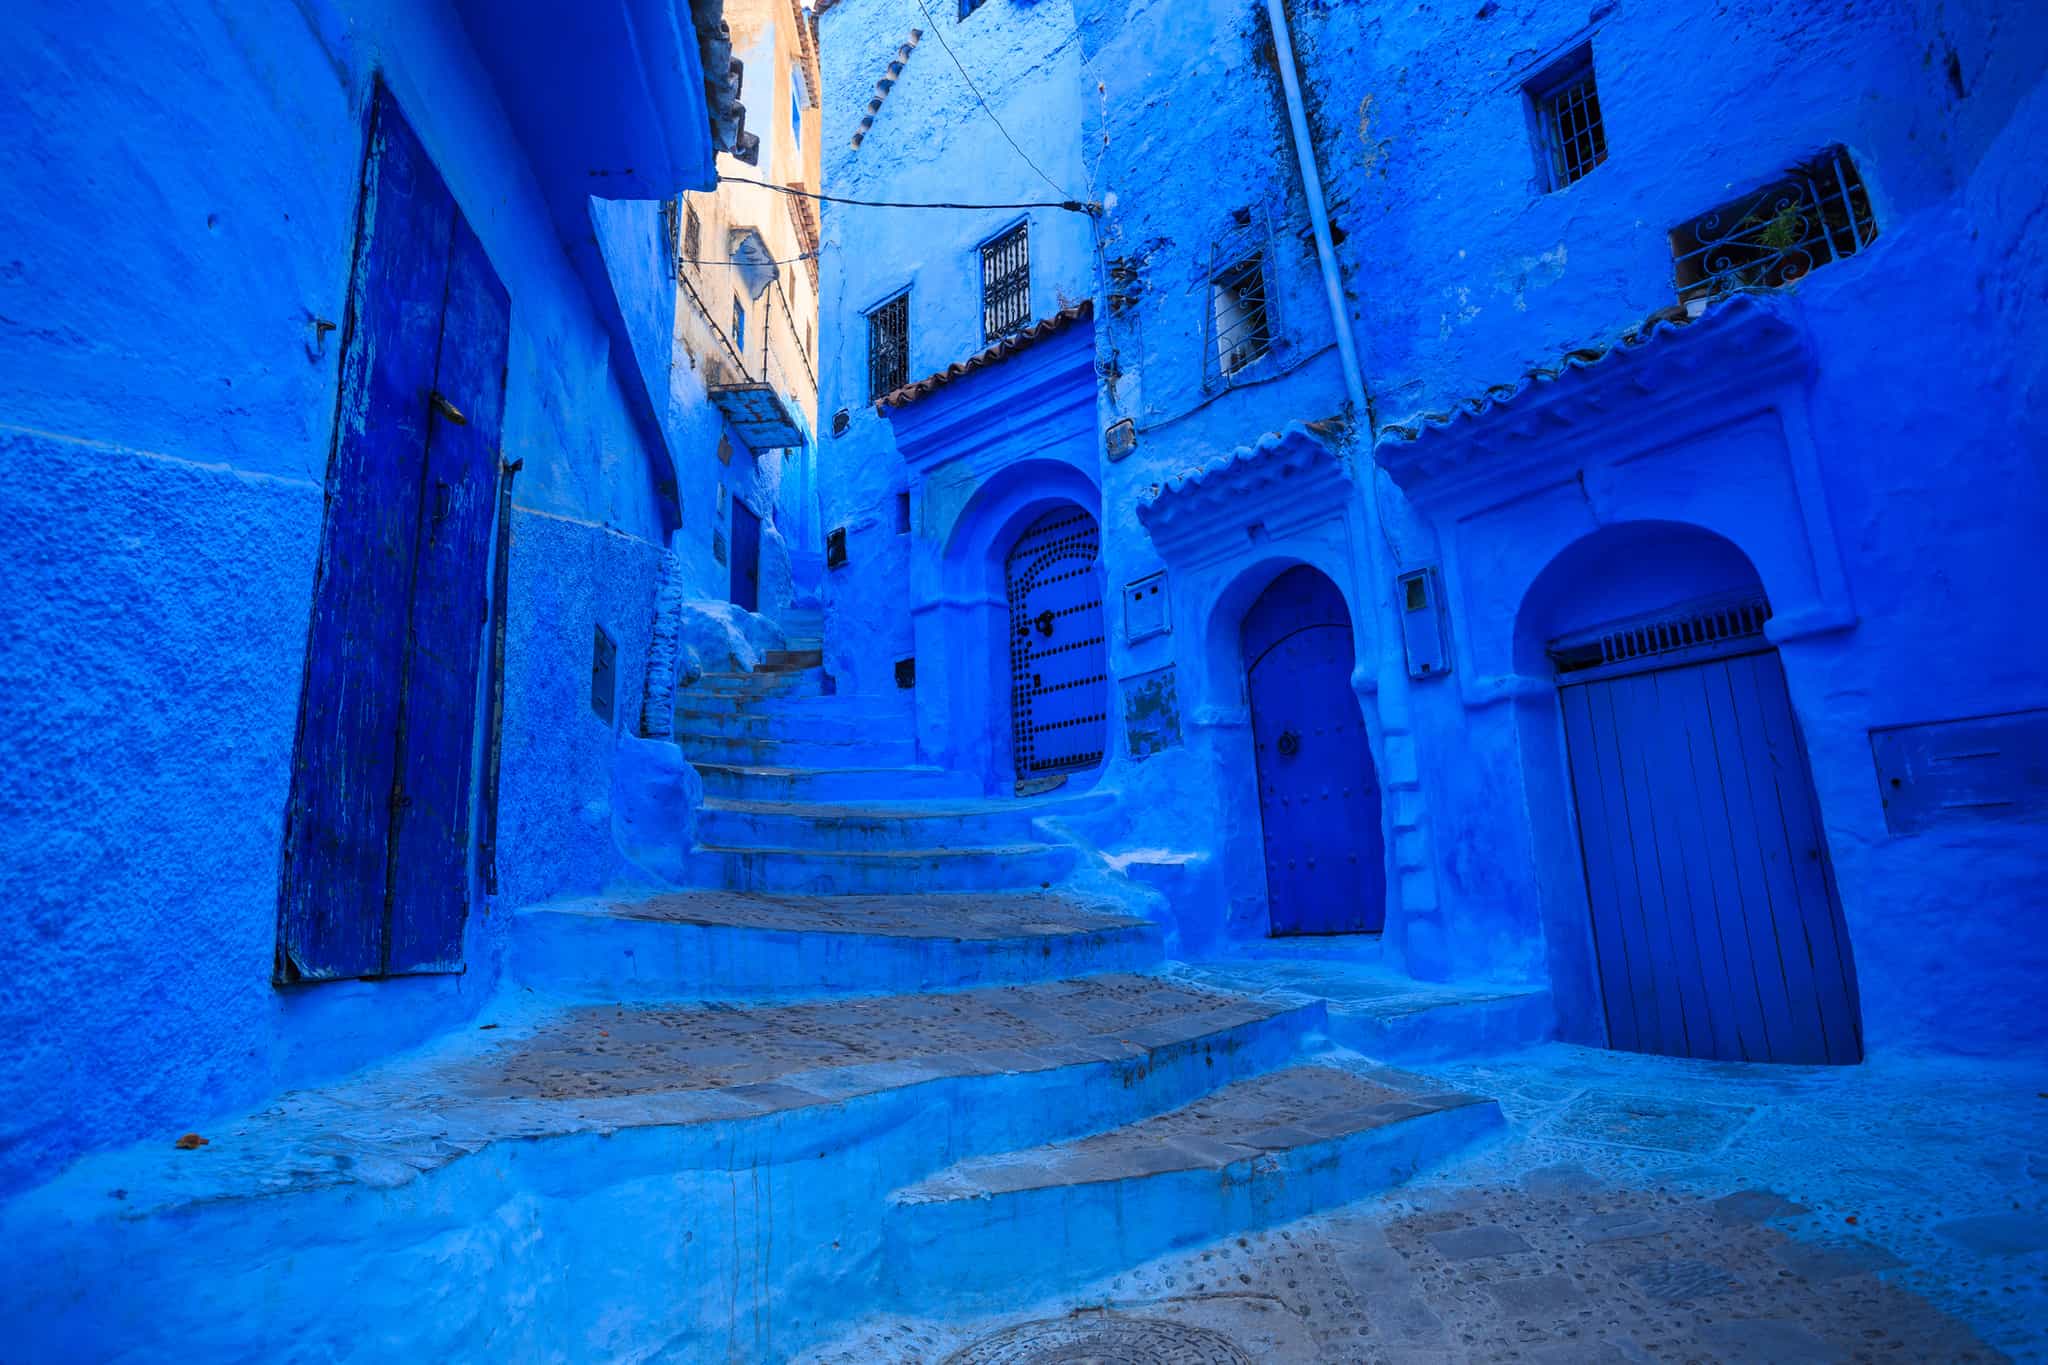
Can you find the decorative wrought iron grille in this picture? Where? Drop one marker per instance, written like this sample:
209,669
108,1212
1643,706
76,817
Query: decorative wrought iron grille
1813,214
1572,128
1685,633
889,346
1242,325
1006,283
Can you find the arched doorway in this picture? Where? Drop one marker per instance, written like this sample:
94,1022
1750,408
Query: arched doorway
1716,929
1059,660
1319,796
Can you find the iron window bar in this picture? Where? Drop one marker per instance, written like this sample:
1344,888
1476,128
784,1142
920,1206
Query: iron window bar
1243,326
1685,633
889,346
1816,213
1006,283
1572,127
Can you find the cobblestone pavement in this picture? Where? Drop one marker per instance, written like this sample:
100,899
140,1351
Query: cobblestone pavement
1639,1209
985,915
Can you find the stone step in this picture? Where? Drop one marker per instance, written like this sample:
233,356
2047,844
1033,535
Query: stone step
762,1137
879,749
815,724
896,871
737,945
854,827
762,782
891,708
790,660
808,682
1256,1152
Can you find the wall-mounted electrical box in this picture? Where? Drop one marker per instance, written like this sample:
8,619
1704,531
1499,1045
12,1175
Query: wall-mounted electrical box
1425,627
1145,613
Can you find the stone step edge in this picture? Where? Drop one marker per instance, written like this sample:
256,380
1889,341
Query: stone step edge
884,855
1235,1160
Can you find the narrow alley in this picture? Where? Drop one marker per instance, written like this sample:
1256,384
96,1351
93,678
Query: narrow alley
1024,681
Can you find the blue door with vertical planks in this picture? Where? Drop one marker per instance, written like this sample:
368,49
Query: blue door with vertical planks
376,858
1059,669
1319,795
746,557
1716,929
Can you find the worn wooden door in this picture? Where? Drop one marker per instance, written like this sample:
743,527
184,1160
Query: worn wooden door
376,866
1715,923
746,557
1319,795
1059,669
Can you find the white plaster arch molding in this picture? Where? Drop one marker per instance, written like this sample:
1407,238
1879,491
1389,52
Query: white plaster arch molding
1703,424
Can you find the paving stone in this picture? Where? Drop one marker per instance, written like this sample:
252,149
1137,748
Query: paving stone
1766,1341
1815,1262
1675,1281
1616,1225
1562,1178
1403,1318
1546,1296
1464,1244
1754,1206
1997,1234
1660,1124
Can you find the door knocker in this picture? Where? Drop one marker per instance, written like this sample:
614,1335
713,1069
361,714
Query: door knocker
1044,623
1290,743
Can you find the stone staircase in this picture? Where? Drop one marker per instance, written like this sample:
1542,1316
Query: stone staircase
884,1055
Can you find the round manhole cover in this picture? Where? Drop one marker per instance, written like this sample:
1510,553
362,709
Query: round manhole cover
1103,1341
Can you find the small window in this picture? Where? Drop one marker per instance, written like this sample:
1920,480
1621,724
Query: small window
889,346
1568,117
1811,215
1238,303
1006,283
835,547
739,324
693,231
968,7
796,111
903,514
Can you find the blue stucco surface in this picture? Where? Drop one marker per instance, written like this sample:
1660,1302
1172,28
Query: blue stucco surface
187,207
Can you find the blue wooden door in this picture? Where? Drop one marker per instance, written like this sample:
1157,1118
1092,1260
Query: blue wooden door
1319,796
1716,929
1059,669
746,557
376,863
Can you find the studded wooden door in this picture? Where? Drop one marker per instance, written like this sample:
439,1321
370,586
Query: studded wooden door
746,557
1716,930
1319,796
1059,684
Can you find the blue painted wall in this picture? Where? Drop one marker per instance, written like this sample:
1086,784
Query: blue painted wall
185,182
1894,487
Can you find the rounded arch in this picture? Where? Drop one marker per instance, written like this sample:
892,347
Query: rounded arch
977,546
1222,640
1623,570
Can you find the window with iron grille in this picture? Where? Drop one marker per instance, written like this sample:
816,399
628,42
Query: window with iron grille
1237,302
1568,112
693,231
1811,215
889,346
739,325
1006,283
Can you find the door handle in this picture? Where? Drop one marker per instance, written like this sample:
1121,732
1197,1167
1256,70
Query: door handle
1289,743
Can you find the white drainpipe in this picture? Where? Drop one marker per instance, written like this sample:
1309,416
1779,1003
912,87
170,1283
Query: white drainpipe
1411,883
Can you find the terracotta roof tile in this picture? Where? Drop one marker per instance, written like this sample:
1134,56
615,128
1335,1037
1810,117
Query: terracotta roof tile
1008,346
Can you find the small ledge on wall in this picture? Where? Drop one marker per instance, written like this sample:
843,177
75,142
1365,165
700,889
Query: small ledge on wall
1288,478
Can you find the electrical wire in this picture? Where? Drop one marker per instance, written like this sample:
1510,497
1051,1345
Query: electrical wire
1070,205
940,34
786,260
